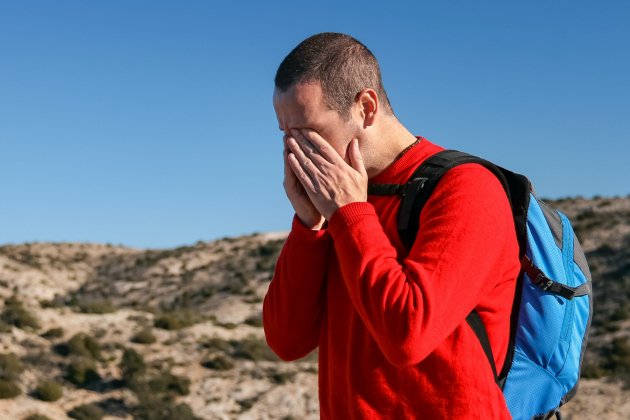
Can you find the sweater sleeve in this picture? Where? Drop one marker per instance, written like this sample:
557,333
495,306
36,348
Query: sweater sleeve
410,308
295,300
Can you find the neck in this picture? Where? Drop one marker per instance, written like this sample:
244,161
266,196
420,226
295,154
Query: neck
382,149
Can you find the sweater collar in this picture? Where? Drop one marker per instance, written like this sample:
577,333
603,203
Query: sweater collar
401,165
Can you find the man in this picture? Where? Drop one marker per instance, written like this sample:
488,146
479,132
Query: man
389,322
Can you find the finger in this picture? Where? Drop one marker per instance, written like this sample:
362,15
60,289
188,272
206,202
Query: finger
289,175
301,174
310,150
321,145
356,158
306,161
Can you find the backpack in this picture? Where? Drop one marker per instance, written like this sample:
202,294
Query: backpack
553,304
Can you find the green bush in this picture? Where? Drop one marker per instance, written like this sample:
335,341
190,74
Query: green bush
270,248
218,362
167,383
144,336
253,348
620,314
151,407
8,389
37,417
86,412
56,302
592,369
10,366
176,320
82,372
14,313
48,391
97,306
618,356
218,344
84,345
247,403
280,378
255,320
131,365
53,333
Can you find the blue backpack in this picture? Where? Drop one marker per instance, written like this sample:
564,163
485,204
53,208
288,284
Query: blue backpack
553,303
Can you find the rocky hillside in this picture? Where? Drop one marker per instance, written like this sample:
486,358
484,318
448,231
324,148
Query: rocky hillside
98,331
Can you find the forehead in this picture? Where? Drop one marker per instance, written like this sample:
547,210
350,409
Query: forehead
300,105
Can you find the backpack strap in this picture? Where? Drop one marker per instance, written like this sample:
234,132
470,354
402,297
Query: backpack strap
539,279
416,192
475,322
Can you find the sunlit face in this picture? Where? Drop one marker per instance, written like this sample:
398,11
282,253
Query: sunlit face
302,106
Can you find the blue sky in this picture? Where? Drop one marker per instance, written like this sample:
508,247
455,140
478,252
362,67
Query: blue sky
150,123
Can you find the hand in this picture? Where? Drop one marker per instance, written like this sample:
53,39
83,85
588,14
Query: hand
304,208
328,180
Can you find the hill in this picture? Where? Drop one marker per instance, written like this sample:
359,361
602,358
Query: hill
92,329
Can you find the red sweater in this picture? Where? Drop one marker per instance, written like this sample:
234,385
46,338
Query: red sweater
391,330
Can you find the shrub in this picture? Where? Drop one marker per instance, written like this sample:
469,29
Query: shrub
255,320
592,369
37,417
10,366
82,372
167,383
98,306
84,345
131,365
99,332
269,248
48,391
216,343
228,325
281,378
176,320
611,327
8,389
53,333
14,313
620,314
247,403
56,302
10,370
618,355
86,412
151,407
218,362
144,336
253,348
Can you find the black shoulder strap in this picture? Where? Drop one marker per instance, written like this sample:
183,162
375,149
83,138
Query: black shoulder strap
416,192
432,170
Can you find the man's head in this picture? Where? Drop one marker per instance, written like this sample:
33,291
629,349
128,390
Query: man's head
342,65
330,83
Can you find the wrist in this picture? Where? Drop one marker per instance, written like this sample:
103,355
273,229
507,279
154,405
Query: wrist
318,225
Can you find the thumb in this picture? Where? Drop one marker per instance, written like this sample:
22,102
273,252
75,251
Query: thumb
357,158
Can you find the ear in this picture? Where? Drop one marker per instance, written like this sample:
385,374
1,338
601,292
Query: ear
368,106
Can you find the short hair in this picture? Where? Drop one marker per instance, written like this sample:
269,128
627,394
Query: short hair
342,65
